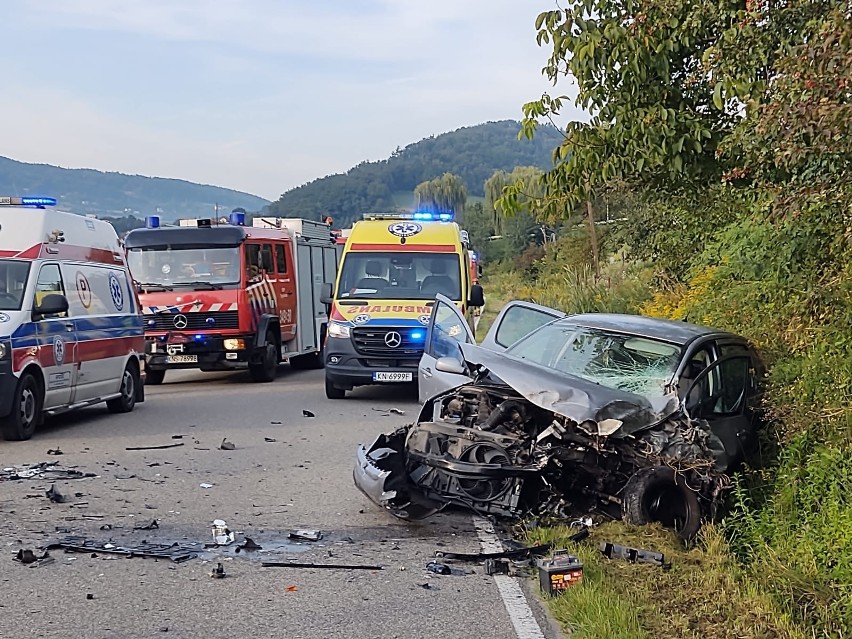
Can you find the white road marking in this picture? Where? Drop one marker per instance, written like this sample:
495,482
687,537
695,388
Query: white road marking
520,613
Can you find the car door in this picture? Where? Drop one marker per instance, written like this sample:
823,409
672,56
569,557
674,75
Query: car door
516,320
720,394
447,329
57,342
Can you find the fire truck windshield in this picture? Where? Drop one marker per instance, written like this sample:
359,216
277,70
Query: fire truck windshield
175,266
13,281
400,275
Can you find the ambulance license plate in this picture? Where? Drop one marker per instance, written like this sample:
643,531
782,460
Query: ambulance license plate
181,359
392,377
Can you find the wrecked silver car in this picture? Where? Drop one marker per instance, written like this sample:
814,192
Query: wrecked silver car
625,416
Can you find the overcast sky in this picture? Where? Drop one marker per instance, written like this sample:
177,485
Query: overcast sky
256,95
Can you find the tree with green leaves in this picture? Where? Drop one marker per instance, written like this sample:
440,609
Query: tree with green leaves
527,184
446,193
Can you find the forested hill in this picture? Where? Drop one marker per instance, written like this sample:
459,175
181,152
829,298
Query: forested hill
119,195
473,153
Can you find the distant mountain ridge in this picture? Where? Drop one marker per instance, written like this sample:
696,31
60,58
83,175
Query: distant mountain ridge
473,153
112,194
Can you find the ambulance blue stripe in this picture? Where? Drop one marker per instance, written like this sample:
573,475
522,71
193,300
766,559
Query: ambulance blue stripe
86,329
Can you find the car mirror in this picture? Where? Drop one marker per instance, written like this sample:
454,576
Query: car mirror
477,296
450,365
325,293
53,304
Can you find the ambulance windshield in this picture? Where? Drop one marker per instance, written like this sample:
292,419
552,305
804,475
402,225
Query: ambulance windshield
13,282
400,276
185,266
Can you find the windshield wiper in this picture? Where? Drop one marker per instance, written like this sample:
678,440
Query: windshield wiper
153,286
209,285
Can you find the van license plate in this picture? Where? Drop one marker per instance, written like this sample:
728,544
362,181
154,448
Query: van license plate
393,377
181,359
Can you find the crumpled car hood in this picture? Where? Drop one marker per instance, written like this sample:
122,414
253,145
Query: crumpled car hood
614,412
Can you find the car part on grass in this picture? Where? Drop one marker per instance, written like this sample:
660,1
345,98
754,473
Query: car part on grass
221,535
287,564
306,535
164,446
633,555
173,552
559,572
44,470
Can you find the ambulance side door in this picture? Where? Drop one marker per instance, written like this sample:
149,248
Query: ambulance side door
285,289
57,340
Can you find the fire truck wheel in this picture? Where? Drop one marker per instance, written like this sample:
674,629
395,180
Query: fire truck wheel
332,391
155,376
125,402
267,368
26,410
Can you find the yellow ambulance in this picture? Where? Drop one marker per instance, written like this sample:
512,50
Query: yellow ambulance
392,267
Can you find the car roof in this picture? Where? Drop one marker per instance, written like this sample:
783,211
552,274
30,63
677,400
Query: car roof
680,333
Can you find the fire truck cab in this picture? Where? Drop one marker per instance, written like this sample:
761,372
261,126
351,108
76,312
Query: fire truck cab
224,296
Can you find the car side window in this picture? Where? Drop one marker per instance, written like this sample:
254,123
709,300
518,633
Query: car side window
49,283
447,332
252,261
280,258
518,322
734,381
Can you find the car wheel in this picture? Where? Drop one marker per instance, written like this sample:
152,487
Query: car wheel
267,368
129,386
27,404
660,494
155,376
332,391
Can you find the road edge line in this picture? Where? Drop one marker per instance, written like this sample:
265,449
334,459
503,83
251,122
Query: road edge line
517,607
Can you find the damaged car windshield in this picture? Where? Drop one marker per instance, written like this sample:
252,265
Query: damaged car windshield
628,363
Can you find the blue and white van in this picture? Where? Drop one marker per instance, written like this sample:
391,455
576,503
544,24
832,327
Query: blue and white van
71,332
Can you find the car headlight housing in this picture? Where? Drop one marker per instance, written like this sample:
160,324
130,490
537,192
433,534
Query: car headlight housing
338,330
233,344
4,350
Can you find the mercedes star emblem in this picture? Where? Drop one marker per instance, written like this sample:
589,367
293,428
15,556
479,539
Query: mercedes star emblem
180,322
393,339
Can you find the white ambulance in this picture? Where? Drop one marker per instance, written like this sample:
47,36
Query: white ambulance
71,334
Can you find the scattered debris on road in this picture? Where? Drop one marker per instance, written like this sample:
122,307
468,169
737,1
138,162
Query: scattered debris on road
154,447
54,495
248,545
54,451
496,567
43,470
153,525
269,439
287,564
515,553
308,413
221,535
306,535
174,552
27,556
389,411
439,568
206,485
218,572
226,445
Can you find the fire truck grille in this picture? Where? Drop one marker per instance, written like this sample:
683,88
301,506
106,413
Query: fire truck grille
389,342
194,321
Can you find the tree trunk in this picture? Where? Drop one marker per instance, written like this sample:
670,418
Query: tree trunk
593,238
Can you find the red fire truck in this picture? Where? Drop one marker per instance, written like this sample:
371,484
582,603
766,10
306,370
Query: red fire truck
224,296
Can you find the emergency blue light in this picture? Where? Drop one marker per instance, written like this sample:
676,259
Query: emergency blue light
445,217
423,216
417,335
199,338
238,218
152,222
38,201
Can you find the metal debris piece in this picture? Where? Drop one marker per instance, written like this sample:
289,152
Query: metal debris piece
27,556
439,568
221,535
177,436
496,567
174,552
287,564
54,451
308,413
517,553
306,535
154,447
206,485
633,555
54,495
218,572
154,525
44,470
226,445
269,439
248,545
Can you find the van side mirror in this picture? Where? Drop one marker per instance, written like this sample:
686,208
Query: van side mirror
325,293
450,365
477,296
53,304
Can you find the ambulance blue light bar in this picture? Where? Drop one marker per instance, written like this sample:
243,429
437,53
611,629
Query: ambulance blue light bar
420,216
27,201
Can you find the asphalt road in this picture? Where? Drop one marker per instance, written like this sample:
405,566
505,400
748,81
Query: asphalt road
262,489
